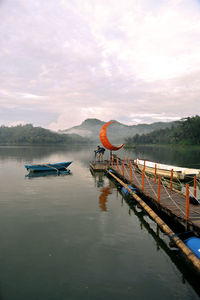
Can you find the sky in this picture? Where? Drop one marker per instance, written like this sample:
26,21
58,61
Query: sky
62,61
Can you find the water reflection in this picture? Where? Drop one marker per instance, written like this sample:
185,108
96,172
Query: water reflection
105,191
98,178
187,156
188,273
52,173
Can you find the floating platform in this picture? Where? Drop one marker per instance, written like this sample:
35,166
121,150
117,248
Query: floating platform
170,202
99,165
125,180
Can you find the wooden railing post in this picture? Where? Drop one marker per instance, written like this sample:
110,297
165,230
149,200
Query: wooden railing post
112,160
155,177
131,175
143,172
171,179
195,186
159,186
117,164
123,168
187,202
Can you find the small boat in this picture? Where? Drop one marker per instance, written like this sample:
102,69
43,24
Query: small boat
165,170
48,167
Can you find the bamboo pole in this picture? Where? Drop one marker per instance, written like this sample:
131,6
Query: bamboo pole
187,202
159,185
144,166
179,243
195,186
171,179
53,168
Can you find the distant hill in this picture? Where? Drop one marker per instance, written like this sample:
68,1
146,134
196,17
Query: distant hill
29,135
186,132
117,132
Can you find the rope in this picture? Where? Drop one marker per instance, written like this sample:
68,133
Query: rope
151,185
164,183
169,197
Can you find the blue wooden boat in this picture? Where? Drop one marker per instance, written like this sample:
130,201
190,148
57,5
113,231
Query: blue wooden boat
48,167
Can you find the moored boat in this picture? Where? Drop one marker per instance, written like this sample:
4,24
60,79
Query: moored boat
165,170
48,167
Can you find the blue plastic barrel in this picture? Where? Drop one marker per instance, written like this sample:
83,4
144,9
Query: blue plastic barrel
124,190
194,244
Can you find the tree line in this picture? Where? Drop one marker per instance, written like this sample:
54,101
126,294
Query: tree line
27,134
184,132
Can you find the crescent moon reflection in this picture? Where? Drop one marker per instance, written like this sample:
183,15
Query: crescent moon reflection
104,140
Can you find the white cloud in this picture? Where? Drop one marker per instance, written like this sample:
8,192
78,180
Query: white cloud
133,60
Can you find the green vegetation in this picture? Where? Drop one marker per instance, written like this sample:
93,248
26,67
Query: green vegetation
117,132
29,135
185,132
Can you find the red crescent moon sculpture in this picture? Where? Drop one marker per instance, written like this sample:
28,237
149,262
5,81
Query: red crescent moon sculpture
104,139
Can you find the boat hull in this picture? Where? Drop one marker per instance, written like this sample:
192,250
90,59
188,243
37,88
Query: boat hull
48,167
179,173
163,173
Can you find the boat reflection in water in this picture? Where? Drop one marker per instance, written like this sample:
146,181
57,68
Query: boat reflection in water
47,173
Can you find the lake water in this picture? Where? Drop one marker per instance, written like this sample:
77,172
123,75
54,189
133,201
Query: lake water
74,236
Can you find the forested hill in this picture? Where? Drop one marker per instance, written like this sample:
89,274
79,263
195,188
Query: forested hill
187,132
29,135
117,132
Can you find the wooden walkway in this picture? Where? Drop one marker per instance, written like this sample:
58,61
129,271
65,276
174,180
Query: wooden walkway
172,202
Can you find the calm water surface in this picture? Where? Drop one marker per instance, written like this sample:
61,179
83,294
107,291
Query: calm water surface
74,237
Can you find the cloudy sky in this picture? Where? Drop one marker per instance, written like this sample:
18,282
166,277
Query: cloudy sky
62,61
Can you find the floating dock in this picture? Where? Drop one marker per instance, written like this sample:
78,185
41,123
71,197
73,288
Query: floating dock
166,199
160,198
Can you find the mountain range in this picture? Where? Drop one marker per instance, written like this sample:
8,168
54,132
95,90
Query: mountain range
116,132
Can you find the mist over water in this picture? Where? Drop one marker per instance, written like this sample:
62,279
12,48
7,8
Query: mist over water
75,237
